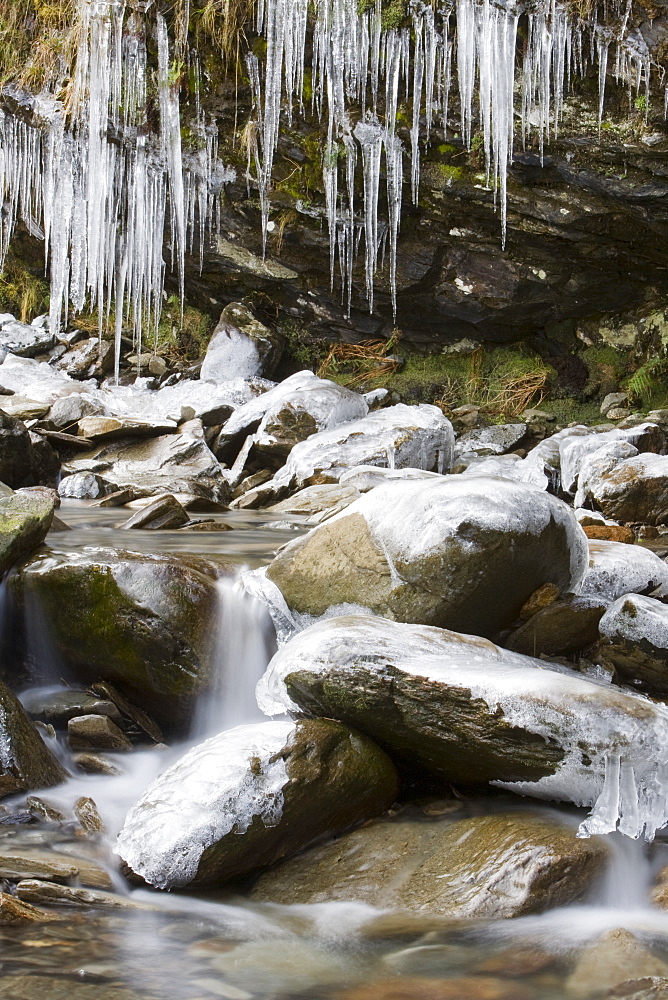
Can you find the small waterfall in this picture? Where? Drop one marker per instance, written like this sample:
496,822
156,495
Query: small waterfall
629,874
244,642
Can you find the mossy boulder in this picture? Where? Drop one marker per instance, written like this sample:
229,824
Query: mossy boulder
486,867
25,760
457,552
24,522
251,796
141,622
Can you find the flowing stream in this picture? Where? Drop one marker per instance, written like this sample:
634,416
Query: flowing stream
219,944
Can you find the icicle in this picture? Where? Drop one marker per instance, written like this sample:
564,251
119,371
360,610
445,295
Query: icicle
369,134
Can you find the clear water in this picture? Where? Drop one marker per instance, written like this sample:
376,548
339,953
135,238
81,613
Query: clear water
169,946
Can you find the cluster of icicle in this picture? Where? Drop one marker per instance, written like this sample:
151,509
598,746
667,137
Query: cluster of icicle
361,74
101,188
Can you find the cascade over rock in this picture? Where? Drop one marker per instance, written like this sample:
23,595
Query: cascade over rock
137,621
470,712
251,796
452,551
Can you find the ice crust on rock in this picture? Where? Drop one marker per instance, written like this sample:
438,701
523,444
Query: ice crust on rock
367,477
597,464
616,569
327,404
615,742
248,416
635,617
397,437
231,779
575,449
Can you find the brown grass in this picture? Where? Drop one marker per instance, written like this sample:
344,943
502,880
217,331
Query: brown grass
356,364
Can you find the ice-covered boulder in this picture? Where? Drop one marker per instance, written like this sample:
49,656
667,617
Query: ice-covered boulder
241,347
397,437
616,568
251,796
574,448
24,339
367,477
140,622
246,418
493,440
319,406
597,465
38,380
635,640
452,551
461,708
634,490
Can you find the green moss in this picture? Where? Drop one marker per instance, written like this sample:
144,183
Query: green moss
570,410
446,148
450,174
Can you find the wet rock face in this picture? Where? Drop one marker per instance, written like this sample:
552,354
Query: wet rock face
16,460
457,552
489,867
241,347
140,622
252,796
25,519
25,761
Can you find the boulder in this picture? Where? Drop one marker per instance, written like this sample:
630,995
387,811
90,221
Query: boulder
617,957
24,522
59,706
597,465
462,553
563,627
241,347
96,732
635,640
24,409
84,486
487,867
574,448
16,459
170,463
98,428
66,411
493,440
251,796
166,512
367,477
468,712
141,622
635,490
616,568
24,339
319,406
92,358
612,401
25,761
396,437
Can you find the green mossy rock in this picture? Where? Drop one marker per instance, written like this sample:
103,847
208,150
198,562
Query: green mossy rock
24,523
487,867
25,760
141,622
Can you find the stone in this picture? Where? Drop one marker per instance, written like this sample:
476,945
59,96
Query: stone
494,440
367,477
616,569
580,443
488,867
541,598
282,968
241,347
635,640
16,461
250,482
94,763
461,553
98,428
659,894
251,796
38,891
320,406
613,400
24,523
16,912
19,865
22,408
23,339
25,762
86,732
40,987
84,486
397,436
428,988
618,413
164,513
138,621
130,711
317,500
563,627
171,463
89,818
45,461
92,358
59,707
615,958
610,533
246,418
636,490
647,988
66,411
468,712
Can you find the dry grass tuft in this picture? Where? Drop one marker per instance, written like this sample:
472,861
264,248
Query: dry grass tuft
357,364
